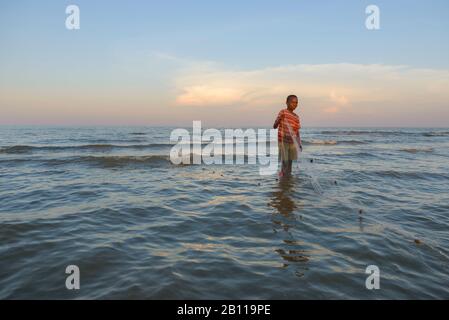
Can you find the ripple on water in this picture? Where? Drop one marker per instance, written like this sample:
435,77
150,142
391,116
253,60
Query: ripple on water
139,227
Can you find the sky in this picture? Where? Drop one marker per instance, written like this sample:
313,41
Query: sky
226,63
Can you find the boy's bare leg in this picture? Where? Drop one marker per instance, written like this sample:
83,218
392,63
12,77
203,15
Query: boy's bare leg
284,168
289,167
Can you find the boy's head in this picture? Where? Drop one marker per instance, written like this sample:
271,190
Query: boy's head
292,102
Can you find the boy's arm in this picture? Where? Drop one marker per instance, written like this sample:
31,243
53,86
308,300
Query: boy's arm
278,119
299,140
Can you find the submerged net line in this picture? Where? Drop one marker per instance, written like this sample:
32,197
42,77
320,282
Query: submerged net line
310,172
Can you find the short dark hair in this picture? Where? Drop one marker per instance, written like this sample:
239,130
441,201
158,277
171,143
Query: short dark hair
291,97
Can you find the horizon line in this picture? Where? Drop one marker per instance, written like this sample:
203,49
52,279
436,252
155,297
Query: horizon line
186,126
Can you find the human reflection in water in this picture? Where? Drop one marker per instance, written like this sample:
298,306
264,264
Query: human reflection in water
284,219
282,201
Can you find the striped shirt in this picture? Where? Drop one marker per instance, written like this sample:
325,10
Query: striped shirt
285,118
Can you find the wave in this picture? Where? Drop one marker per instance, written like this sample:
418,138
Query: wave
99,147
355,155
408,174
359,132
332,142
112,161
417,150
384,133
106,147
16,149
436,134
108,161
319,142
102,147
105,141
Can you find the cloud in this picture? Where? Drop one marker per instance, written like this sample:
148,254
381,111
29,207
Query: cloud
338,102
160,88
203,95
332,88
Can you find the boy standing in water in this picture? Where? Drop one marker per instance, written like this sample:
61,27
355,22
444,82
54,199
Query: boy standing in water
288,125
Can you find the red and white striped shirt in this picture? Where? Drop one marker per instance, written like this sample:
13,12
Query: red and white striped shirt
284,119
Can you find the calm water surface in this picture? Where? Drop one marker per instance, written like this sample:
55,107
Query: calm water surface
108,200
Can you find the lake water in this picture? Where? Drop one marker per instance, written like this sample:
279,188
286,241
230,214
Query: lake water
108,200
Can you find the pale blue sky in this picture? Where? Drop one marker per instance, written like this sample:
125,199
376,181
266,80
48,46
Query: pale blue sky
139,45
